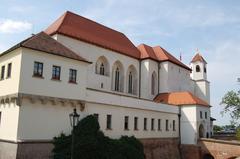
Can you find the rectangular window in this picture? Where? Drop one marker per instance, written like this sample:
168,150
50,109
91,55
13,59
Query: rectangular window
174,125
135,123
9,70
109,121
205,115
126,118
145,124
159,124
2,72
96,115
72,76
200,114
167,129
38,69
56,72
152,124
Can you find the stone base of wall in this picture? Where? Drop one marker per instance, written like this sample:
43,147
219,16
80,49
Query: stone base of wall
29,150
190,152
163,148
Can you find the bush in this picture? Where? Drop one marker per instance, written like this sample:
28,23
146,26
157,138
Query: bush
91,143
238,133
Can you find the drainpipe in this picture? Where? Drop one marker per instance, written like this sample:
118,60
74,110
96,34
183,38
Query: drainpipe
140,67
158,77
179,130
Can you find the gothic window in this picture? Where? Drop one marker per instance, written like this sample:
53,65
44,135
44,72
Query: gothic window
102,69
198,68
117,80
130,83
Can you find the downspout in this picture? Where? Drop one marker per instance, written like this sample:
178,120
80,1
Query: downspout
179,130
140,67
158,77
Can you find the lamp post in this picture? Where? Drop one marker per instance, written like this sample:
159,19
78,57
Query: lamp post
74,119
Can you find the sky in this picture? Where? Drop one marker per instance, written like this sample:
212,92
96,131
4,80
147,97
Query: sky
179,26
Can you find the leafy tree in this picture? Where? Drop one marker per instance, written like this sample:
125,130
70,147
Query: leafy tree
91,143
231,101
217,128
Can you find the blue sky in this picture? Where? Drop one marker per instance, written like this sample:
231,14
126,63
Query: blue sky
213,27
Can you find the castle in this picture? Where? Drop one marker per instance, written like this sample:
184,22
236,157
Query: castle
77,63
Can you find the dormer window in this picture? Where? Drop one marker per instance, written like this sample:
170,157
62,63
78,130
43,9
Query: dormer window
198,68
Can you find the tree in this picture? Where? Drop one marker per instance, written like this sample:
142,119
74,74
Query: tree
217,128
91,143
231,101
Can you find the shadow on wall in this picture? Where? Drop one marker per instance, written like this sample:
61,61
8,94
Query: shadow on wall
208,156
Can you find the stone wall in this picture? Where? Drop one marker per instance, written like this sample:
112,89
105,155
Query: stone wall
164,148
190,152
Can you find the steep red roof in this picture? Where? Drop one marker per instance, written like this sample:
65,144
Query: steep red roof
198,57
78,27
180,98
159,54
45,43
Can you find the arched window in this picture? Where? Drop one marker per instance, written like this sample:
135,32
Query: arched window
130,83
102,66
153,83
117,80
102,72
132,80
198,68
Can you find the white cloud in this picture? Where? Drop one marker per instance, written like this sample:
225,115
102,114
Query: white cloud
8,26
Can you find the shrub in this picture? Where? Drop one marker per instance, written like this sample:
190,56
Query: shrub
238,133
91,143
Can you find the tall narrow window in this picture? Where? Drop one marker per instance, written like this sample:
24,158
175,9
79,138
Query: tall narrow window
201,115
38,69
117,80
130,83
56,72
2,72
205,115
174,125
109,121
102,69
145,124
153,83
9,70
152,124
198,68
126,126
167,129
159,124
135,123
72,76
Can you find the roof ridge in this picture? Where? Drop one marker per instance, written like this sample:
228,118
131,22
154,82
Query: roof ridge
69,12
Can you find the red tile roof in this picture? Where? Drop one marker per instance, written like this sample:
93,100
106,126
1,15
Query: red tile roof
159,54
198,57
78,27
180,98
45,43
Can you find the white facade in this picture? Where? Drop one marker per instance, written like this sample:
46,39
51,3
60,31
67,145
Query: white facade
34,108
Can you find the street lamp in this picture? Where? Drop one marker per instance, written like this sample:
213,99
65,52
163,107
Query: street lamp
74,119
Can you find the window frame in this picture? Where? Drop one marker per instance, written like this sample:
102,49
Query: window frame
55,72
72,76
145,124
174,125
2,72
9,70
37,70
167,125
109,122
126,122
135,123
152,124
159,125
